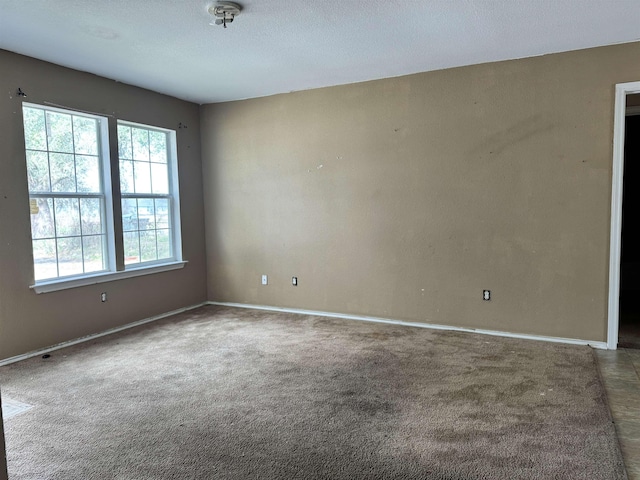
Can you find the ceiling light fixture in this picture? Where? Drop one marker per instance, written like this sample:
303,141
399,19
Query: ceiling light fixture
224,12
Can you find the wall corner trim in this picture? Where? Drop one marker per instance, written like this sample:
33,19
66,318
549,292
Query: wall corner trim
364,318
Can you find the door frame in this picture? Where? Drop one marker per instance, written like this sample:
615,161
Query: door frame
617,178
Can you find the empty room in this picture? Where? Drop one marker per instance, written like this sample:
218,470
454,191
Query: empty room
381,239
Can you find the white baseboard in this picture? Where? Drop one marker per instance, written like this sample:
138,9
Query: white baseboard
571,341
542,338
58,346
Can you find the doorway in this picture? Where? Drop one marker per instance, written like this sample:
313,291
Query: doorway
624,258
629,306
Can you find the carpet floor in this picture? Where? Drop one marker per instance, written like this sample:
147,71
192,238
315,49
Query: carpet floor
226,393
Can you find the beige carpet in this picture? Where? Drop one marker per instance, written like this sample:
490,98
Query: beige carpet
222,393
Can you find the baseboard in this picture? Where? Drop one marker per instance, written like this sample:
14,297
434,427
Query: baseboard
542,338
35,353
69,343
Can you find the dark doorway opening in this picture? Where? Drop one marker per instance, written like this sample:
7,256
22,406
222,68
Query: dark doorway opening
629,328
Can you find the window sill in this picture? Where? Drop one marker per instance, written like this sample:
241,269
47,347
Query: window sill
63,284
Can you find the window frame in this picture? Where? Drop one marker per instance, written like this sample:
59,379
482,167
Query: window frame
110,178
173,196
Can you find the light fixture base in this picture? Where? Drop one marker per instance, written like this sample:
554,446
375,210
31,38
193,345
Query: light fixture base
225,12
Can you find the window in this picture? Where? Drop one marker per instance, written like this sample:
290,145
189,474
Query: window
70,189
67,191
146,199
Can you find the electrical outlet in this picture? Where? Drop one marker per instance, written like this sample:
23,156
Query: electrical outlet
264,279
486,295
294,281
103,297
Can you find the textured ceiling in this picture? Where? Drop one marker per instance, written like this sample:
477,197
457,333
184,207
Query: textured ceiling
277,46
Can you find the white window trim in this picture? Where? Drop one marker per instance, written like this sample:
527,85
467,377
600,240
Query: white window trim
47,286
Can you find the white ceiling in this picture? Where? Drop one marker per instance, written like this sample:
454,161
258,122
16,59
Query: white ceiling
277,46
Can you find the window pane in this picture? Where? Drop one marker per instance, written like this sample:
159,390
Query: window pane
159,178
146,214
91,214
131,248
60,137
142,176
85,135
126,176
42,224
162,213
35,133
67,217
63,176
140,138
164,243
148,250
88,174
70,256
93,251
125,149
44,259
158,146
129,214
38,171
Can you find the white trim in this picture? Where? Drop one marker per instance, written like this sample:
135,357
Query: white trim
572,341
107,186
103,277
617,177
93,336
64,107
174,182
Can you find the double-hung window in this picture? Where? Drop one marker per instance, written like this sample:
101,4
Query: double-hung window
145,178
68,192
72,197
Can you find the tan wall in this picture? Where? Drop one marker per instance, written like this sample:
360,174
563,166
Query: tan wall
406,197
29,321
